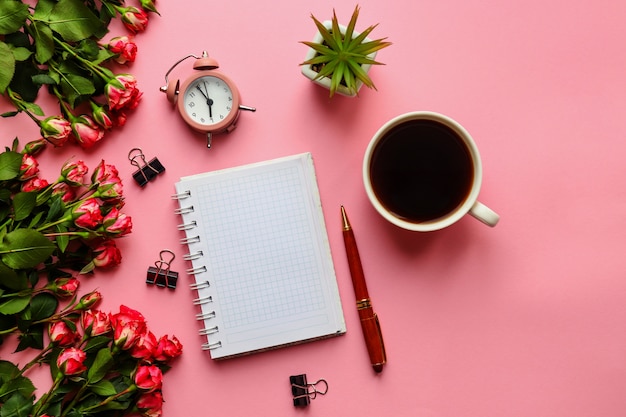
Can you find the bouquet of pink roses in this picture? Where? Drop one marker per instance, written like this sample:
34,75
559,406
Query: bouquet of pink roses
54,230
58,45
101,365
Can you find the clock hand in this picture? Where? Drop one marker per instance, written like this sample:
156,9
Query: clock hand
209,102
201,92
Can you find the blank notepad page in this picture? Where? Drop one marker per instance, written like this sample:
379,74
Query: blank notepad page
266,265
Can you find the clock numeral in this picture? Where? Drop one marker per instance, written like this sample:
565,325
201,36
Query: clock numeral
228,108
192,94
192,104
230,98
221,116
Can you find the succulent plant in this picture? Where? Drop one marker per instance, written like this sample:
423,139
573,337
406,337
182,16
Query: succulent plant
342,54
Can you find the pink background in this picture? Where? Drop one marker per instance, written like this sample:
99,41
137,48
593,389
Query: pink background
527,318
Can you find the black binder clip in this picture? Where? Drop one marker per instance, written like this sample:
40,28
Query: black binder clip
160,274
303,392
147,170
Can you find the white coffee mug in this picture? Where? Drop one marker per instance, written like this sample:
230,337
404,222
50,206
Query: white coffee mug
422,172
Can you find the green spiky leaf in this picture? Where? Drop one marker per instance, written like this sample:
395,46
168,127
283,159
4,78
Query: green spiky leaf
342,53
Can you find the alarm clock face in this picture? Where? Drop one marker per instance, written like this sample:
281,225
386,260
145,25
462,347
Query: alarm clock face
209,102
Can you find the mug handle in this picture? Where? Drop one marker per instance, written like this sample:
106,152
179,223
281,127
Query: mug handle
484,214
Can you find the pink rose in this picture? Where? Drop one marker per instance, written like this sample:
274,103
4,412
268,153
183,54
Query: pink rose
107,254
95,322
151,404
56,130
144,347
63,190
102,116
167,348
87,215
86,131
89,300
74,172
128,326
34,147
134,19
117,223
148,378
124,48
34,184
66,287
29,167
122,92
70,361
61,334
105,173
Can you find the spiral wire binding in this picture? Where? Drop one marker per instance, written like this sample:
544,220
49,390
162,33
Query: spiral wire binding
192,256
197,270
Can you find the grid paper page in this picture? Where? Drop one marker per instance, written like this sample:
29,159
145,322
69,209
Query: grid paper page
266,254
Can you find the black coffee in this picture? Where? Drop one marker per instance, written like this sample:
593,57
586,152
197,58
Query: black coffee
421,170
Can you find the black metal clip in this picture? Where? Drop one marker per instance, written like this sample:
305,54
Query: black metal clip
303,392
147,171
160,274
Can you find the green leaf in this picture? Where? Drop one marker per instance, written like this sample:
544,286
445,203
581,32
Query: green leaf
21,384
14,305
8,371
21,54
25,248
43,306
104,388
22,82
73,20
75,86
7,66
44,42
23,205
17,406
13,16
11,279
31,338
100,367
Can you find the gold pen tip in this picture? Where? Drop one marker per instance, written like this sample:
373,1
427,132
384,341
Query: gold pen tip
344,217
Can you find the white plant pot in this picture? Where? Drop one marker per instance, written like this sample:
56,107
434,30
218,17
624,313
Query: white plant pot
308,71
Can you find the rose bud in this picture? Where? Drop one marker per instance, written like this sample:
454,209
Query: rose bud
74,173
95,322
70,361
65,287
56,130
87,214
61,334
29,168
148,378
34,184
107,254
117,223
168,348
86,131
34,147
144,347
128,326
134,19
124,48
89,300
151,403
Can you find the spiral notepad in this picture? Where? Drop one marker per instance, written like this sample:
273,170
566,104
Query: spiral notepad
259,256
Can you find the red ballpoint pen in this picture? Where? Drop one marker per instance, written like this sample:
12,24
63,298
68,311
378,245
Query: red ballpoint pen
369,319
